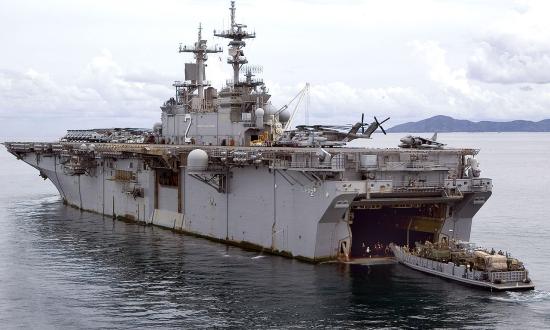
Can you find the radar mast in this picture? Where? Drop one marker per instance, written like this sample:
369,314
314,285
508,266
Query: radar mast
237,33
194,72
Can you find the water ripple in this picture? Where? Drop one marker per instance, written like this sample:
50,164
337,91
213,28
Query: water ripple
62,268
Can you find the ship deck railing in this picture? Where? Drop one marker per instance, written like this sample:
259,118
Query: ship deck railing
27,146
508,276
470,184
336,165
418,186
419,165
425,187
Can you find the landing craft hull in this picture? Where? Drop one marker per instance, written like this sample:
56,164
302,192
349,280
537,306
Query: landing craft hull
289,211
449,271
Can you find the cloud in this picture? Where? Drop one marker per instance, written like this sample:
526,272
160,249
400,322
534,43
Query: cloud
453,80
445,89
102,90
31,93
458,95
515,49
106,93
509,59
341,103
471,60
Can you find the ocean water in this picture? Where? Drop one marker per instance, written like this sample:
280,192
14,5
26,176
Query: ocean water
62,268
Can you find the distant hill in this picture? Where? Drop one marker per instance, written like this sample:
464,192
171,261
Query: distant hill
449,124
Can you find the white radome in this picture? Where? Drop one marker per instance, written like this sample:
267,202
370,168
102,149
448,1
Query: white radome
197,160
284,116
270,109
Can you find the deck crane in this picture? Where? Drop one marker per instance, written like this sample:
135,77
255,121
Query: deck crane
304,92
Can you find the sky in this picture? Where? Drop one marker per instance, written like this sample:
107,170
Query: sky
68,64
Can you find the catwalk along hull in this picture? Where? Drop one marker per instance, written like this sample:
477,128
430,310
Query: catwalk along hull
297,207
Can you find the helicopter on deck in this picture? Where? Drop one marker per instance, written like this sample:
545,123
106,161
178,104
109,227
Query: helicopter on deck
329,135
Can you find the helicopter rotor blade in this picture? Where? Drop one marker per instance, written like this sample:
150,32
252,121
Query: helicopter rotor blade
380,124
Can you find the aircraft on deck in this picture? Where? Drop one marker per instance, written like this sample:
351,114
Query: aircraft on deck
418,142
329,135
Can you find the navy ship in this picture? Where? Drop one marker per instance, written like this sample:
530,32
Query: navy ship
227,164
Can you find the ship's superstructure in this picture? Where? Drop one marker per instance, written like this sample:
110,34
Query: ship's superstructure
224,165
236,115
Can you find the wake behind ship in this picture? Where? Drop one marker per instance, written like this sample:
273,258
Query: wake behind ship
226,165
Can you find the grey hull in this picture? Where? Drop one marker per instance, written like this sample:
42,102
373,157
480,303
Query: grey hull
289,211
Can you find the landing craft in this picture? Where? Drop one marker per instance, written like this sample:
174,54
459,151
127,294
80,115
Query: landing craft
418,142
